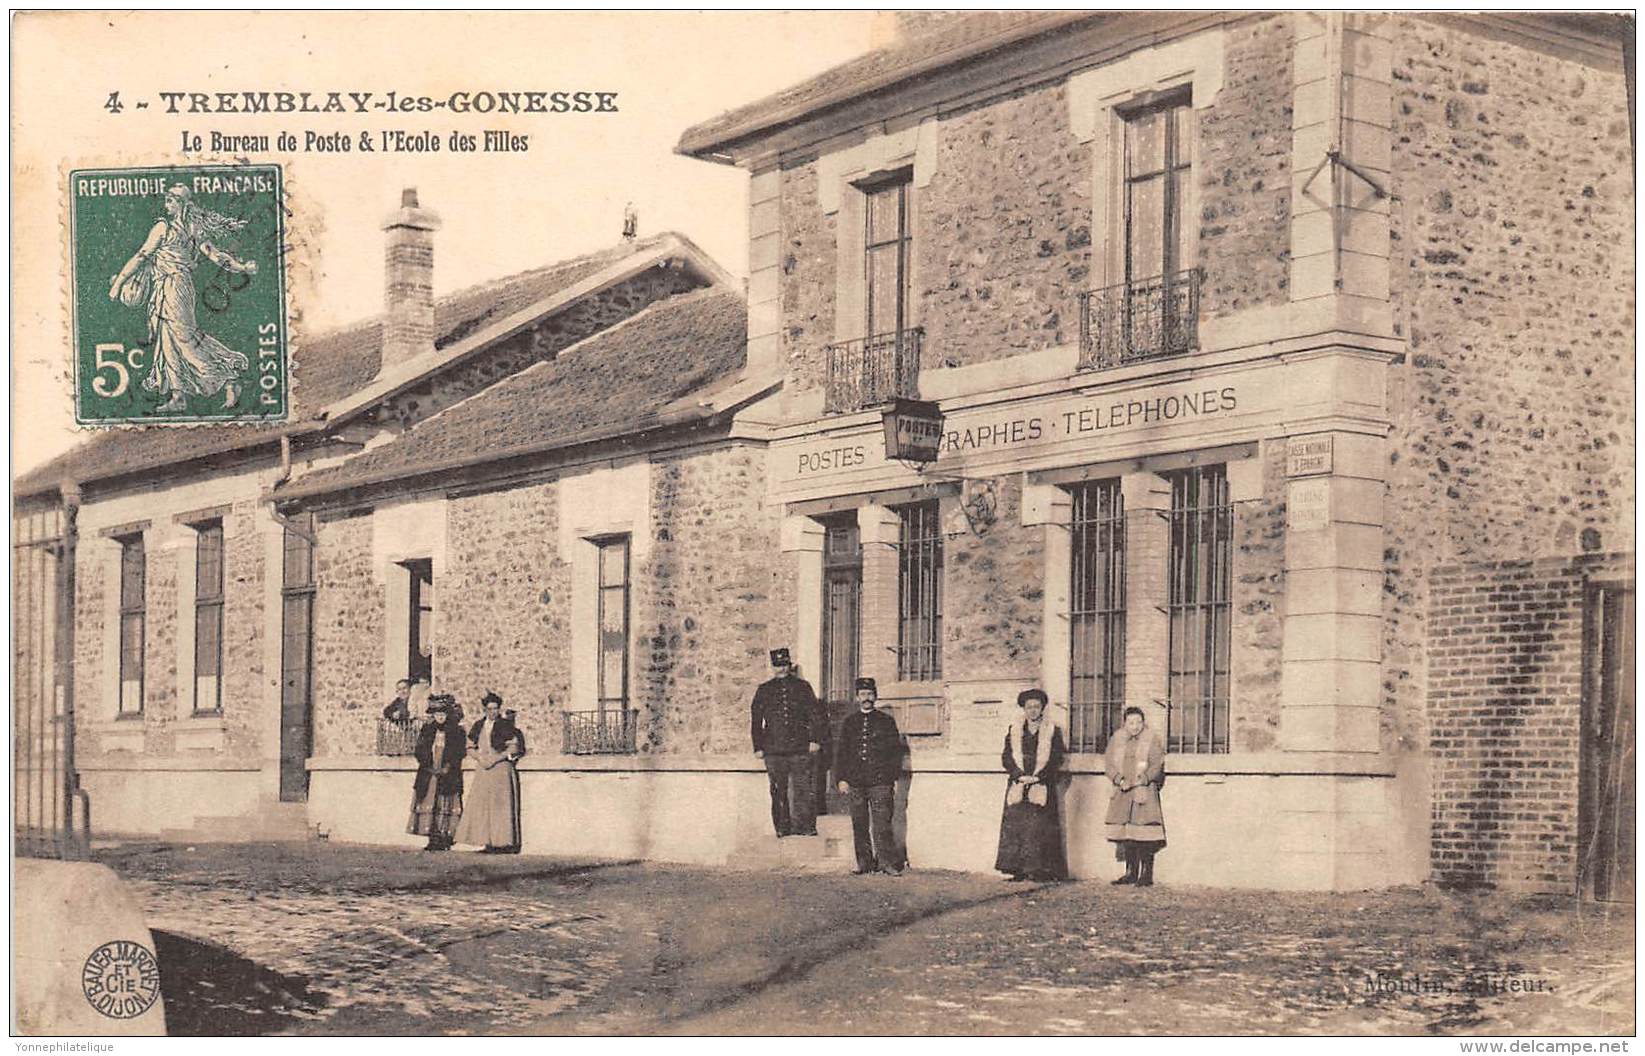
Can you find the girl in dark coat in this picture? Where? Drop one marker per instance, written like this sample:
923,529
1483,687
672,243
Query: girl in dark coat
1031,825
437,795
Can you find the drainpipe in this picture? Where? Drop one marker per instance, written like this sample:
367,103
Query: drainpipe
274,511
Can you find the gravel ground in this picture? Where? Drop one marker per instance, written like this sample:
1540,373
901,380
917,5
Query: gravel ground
323,938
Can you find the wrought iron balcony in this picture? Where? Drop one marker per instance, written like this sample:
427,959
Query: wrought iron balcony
1137,321
872,370
600,732
398,738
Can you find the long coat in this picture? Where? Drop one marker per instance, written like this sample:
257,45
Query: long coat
451,781
1031,835
786,718
1134,813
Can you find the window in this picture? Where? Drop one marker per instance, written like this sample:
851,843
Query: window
1096,615
888,244
1158,160
208,617
1201,553
613,617
420,620
842,608
133,625
919,593
296,658
1154,310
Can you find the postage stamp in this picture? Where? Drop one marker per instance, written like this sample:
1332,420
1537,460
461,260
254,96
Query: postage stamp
179,295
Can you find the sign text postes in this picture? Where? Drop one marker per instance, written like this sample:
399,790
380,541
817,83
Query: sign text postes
1059,420
178,279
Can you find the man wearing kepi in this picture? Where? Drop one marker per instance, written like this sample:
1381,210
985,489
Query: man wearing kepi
788,727
867,763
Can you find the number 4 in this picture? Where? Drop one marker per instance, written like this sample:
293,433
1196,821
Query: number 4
114,105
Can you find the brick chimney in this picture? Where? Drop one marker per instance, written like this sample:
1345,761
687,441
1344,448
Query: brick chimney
408,291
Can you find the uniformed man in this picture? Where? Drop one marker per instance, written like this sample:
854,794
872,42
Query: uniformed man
867,763
788,728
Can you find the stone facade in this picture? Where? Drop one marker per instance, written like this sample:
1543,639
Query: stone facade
1258,607
993,589
349,637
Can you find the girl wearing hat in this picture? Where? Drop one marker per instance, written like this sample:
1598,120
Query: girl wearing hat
1031,825
492,817
437,795
1135,763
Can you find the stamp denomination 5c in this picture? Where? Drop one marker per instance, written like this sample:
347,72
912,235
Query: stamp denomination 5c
178,282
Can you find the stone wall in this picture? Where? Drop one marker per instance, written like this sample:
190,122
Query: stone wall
993,589
1002,231
245,630
702,607
1504,692
1513,283
505,604
1245,171
349,632
1258,608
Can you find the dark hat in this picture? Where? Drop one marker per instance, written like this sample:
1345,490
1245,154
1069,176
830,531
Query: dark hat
867,683
780,657
491,697
441,702
1032,694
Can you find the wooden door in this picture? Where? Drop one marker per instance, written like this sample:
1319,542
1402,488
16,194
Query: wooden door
1606,806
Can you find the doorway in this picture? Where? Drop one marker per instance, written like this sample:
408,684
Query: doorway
1606,803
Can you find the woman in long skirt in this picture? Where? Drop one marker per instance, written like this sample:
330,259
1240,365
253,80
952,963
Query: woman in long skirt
437,795
492,815
1031,825
1135,763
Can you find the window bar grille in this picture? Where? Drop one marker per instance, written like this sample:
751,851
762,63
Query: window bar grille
1096,615
919,594
1200,565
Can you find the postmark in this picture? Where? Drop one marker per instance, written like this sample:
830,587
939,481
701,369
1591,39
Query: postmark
178,281
121,979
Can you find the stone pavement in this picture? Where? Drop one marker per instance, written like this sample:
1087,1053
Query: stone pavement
320,938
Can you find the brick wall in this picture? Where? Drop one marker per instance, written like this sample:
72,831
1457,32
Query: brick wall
505,605
1513,284
1504,695
349,629
702,607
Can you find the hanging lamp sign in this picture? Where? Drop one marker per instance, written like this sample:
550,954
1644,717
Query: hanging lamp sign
913,430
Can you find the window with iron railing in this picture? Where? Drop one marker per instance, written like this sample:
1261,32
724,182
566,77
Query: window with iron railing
1154,311
599,732
612,691
1096,615
419,619
208,618
919,592
1200,569
133,624
885,362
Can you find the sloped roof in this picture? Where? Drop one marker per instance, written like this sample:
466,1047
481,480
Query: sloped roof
955,39
329,367
620,381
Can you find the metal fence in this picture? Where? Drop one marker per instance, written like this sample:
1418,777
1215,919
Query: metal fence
872,370
398,738
600,732
1137,321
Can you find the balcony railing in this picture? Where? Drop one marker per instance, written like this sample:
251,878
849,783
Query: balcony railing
872,370
398,738
1136,321
600,732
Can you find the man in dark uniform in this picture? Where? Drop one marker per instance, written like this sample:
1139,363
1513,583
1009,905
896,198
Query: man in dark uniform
788,728
867,763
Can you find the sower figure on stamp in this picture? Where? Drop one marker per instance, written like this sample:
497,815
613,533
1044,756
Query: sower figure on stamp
788,727
867,763
187,360
1135,763
437,795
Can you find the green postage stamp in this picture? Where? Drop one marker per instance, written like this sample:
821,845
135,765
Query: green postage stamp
178,282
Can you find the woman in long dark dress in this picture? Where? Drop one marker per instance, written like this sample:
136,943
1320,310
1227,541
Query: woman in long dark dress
1031,825
437,794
